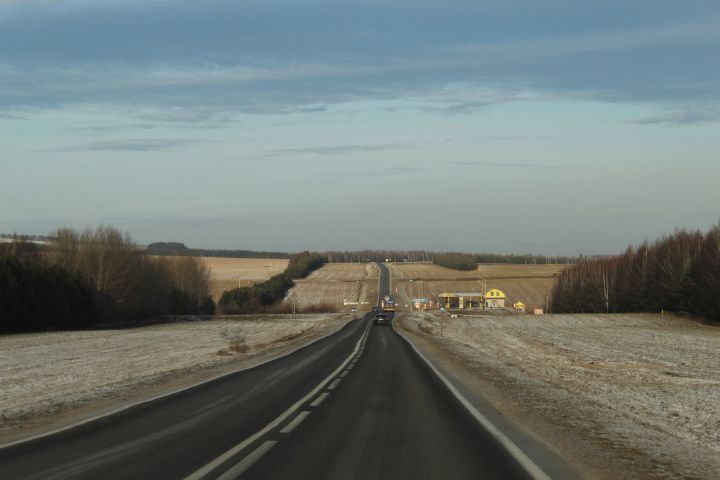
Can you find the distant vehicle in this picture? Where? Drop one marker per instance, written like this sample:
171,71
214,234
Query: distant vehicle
376,310
381,319
354,310
388,305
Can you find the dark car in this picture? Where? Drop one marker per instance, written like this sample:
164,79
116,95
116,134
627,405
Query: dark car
381,319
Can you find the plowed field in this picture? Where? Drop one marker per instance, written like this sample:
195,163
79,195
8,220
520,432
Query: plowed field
338,286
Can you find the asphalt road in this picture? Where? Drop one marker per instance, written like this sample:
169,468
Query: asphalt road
357,405
384,282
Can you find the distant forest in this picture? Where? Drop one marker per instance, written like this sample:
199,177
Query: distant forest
678,273
176,248
456,261
362,256
441,258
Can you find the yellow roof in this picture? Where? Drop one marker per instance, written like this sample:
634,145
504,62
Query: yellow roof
518,304
495,293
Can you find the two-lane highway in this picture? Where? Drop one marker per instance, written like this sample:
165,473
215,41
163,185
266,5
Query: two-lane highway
388,418
175,435
360,404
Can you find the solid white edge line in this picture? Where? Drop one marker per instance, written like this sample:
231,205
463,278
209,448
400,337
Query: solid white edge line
320,399
521,457
295,422
248,461
201,472
167,394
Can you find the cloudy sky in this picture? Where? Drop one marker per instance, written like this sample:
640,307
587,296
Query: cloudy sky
503,126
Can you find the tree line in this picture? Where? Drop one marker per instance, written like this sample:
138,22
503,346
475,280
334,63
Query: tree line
265,296
456,261
177,248
678,273
80,279
360,256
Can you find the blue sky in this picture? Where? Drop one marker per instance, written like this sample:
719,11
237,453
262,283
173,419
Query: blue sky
505,126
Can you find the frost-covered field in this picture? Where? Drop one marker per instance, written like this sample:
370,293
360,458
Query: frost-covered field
42,374
643,390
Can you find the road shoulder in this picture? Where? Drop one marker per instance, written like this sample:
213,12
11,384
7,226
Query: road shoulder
12,431
555,452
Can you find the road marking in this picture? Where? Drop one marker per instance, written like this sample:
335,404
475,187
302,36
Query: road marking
167,394
344,374
201,472
295,422
247,462
334,384
520,457
320,399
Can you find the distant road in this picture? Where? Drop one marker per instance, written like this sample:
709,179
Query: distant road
384,282
359,404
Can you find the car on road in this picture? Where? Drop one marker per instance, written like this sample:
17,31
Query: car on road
381,319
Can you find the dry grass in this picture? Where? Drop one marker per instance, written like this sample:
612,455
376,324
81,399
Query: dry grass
530,284
345,272
505,270
228,273
429,271
330,285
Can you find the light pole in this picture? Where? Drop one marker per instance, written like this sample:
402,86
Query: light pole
412,306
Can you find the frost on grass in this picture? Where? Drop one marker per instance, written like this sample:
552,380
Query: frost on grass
645,388
43,373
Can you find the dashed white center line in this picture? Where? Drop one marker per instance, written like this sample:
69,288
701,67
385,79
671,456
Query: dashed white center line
248,461
295,422
344,374
202,472
320,399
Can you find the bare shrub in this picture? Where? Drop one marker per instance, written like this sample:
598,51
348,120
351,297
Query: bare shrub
237,339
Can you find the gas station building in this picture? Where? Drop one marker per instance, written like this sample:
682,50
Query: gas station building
461,300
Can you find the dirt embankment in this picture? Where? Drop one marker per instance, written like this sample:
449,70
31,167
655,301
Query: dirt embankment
620,396
50,380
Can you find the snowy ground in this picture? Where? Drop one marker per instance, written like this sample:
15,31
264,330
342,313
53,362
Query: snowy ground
630,395
44,375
